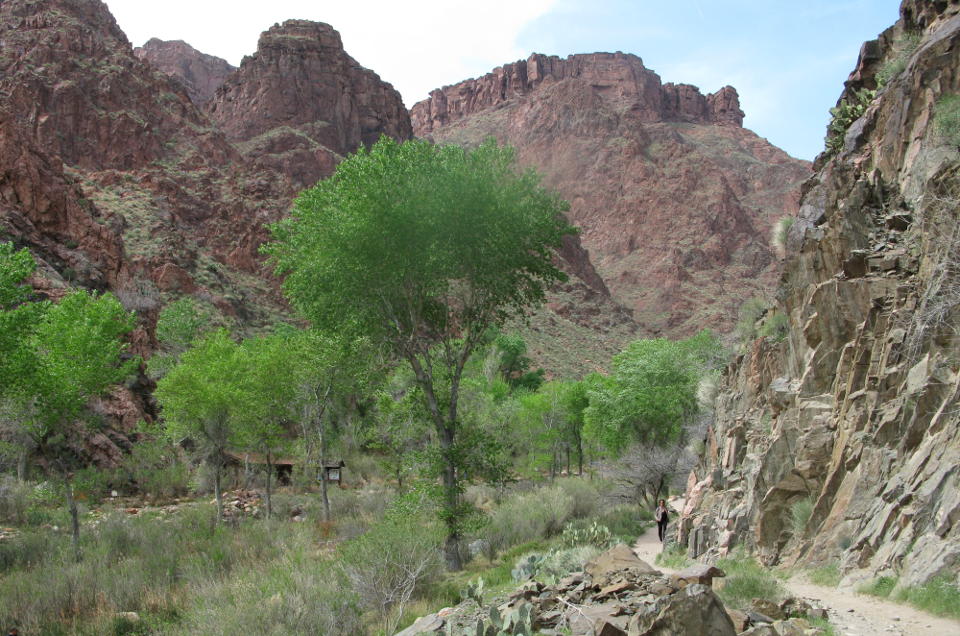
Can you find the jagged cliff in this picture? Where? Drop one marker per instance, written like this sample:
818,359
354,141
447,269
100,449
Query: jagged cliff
675,199
300,103
200,74
856,412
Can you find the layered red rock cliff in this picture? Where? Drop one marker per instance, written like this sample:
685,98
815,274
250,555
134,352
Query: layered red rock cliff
675,199
200,74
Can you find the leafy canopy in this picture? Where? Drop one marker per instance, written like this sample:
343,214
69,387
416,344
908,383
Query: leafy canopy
652,391
415,243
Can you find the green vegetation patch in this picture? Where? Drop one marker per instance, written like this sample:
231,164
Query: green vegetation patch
746,580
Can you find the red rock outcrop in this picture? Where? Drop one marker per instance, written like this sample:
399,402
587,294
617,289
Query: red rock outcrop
676,201
618,77
839,444
300,103
200,74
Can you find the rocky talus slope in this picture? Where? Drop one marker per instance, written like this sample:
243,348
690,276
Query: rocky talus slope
200,74
854,418
618,594
675,198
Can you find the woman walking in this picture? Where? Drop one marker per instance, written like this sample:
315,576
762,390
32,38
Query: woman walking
662,518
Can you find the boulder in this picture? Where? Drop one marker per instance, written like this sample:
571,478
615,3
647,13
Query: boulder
617,558
698,573
693,611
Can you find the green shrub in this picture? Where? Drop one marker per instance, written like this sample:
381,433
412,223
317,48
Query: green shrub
780,231
880,586
750,312
746,580
946,119
776,327
826,575
903,48
845,113
800,512
674,556
940,596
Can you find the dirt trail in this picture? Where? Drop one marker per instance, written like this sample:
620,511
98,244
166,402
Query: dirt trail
851,614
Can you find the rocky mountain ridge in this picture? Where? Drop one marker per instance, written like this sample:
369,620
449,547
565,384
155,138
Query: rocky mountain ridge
201,74
841,443
618,75
676,201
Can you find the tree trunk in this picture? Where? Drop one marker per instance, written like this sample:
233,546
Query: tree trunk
218,495
74,517
579,456
269,479
567,449
22,465
247,477
323,476
451,548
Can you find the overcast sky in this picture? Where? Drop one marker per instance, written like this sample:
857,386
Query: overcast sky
787,58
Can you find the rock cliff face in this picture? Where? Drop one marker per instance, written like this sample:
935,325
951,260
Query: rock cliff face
843,441
675,199
200,74
300,103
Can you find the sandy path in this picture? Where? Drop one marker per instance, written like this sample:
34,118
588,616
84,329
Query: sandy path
851,614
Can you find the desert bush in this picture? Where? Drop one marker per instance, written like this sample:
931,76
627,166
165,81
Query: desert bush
746,580
826,575
155,467
386,565
800,512
946,119
750,312
14,500
776,327
294,595
528,516
626,521
585,495
780,231
903,48
939,596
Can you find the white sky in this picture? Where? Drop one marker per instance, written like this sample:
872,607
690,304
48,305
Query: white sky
416,46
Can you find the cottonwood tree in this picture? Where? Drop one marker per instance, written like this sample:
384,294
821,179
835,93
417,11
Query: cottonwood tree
649,407
326,369
423,248
268,389
56,357
203,399
652,391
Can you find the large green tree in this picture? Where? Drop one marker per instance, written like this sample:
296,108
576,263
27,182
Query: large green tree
651,392
204,399
423,248
55,358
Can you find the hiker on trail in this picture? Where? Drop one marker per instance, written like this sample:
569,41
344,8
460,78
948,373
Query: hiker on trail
662,518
